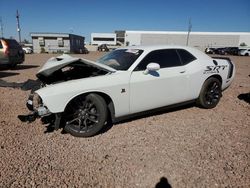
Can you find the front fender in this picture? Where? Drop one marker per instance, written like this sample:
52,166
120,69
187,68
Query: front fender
56,97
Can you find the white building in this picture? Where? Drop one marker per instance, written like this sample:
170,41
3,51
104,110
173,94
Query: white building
196,39
103,38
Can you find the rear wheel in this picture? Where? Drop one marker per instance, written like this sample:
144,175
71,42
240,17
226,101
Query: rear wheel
210,93
86,115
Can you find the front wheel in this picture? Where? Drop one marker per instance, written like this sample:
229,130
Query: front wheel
210,93
85,116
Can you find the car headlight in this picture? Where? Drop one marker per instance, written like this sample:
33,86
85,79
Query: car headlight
34,102
37,101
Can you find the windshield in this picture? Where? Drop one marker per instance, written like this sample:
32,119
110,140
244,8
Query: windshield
120,59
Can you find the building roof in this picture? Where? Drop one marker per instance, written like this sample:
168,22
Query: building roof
192,32
47,34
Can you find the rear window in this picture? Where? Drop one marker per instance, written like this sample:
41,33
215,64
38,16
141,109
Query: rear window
12,43
185,56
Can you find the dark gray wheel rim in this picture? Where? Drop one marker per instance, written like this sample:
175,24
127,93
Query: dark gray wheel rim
84,117
213,93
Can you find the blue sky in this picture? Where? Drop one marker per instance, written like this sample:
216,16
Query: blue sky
85,17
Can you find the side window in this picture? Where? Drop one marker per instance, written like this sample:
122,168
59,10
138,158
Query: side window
165,58
41,41
1,46
60,42
185,56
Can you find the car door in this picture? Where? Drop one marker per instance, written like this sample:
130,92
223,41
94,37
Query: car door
158,88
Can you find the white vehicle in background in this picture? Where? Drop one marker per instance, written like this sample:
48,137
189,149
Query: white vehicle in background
244,52
82,95
209,50
27,50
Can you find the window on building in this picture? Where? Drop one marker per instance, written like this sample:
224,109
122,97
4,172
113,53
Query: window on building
41,41
103,39
165,58
60,42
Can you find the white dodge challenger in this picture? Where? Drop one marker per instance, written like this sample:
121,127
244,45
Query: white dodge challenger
81,95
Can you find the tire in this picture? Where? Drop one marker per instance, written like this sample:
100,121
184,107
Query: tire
12,66
210,93
85,116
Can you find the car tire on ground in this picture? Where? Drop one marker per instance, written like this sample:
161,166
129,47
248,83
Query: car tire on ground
85,116
210,93
12,65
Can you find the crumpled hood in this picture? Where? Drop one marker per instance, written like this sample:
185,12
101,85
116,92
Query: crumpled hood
56,63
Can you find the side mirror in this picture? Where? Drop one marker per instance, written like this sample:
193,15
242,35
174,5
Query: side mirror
152,67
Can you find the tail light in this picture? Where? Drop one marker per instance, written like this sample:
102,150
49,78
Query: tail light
5,47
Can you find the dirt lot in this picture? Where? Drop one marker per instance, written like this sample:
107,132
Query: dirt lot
189,147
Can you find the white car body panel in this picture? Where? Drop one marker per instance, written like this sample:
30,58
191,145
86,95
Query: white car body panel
27,50
54,64
108,84
169,86
132,91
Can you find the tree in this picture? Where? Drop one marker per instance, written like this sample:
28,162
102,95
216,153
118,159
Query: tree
25,41
243,44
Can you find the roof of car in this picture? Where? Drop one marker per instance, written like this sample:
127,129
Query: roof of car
149,48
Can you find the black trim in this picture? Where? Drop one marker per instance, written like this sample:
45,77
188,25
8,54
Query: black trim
231,66
153,111
58,117
103,39
215,62
28,118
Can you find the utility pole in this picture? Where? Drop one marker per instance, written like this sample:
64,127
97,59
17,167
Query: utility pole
189,30
18,26
1,25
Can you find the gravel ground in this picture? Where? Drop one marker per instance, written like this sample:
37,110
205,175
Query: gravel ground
188,146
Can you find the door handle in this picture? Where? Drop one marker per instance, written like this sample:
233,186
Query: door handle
182,71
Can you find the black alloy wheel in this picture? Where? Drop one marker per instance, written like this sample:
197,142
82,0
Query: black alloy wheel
85,116
210,93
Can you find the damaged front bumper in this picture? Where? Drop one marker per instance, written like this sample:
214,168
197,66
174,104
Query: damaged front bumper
39,110
35,105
